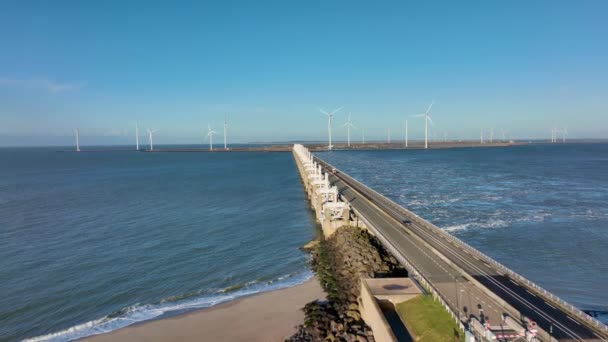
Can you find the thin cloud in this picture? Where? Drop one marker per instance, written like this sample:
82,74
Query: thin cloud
50,86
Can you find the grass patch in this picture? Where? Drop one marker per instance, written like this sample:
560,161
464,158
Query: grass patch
428,321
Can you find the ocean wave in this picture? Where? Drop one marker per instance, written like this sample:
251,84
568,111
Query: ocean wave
496,223
143,312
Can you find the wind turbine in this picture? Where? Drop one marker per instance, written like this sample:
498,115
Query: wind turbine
150,132
481,136
406,133
491,132
554,134
209,135
503,132
77,132
225,126
329,117
388,139
427,118
349,125
363,136
564,134
136,137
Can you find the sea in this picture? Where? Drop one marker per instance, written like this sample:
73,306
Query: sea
540,209
92,242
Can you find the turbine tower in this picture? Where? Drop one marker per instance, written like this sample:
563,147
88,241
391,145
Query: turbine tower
349,125
564,134
225,130
136,137
150,132
427,118
406,133
210,134
491,133
363,136
76,133
503,132
329,117
388,138
481,136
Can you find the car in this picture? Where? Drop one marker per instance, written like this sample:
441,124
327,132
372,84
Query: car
406,221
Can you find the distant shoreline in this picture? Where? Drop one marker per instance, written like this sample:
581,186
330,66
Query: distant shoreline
321,147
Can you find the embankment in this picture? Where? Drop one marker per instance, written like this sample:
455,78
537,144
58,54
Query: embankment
340,261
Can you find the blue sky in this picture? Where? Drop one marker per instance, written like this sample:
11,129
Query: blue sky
518,65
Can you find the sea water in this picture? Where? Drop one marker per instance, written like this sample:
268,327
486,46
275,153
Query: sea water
94,241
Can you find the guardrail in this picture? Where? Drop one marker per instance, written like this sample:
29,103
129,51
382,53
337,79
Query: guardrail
512,274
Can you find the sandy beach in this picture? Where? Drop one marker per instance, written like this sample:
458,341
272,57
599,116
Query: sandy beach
267,316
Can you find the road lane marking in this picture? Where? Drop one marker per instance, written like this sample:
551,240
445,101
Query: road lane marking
531,293
572,319
511,280
551,306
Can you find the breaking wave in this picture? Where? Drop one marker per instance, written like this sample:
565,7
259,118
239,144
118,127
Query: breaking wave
496,223
173,305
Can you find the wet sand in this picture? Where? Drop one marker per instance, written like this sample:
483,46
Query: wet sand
267,316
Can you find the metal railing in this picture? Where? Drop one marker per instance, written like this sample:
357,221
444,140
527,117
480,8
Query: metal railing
512,274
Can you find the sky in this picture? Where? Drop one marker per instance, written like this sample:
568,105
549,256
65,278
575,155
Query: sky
266,66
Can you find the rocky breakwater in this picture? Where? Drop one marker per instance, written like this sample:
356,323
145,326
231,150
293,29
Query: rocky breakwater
340,261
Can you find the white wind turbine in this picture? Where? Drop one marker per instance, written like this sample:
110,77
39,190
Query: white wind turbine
225,130
349,124
406,133
77,133
427,118
503,132
554,134
481,136
491,133
150,137
136,137
363,136
209,135
388,137
329,117
564,134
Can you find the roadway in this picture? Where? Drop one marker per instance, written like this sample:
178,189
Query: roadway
455,272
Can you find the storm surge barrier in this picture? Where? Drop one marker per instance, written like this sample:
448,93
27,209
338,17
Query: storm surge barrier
421,246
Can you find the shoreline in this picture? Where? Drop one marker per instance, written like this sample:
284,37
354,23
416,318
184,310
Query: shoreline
265,316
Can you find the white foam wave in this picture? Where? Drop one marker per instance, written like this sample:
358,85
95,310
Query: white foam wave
143,312
496,223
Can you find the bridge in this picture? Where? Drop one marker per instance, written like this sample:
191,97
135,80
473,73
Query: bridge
482,295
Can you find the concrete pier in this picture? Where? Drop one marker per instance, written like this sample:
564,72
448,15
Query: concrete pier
331,211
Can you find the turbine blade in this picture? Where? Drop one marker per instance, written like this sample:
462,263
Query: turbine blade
337,110
322,111
431,121
419,115
430,106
